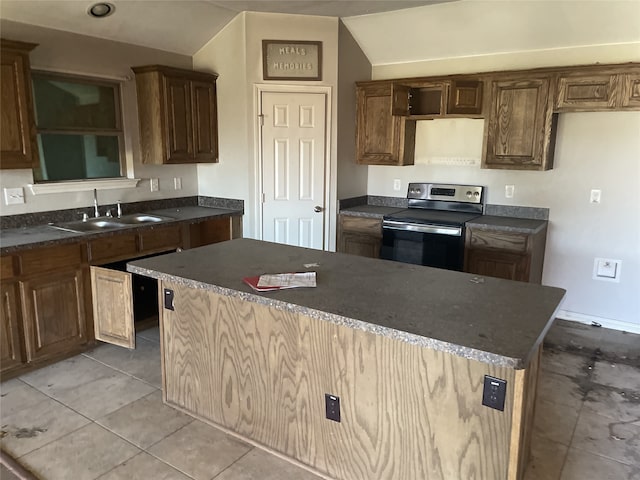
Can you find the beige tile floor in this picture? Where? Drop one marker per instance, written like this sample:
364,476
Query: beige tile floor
100,416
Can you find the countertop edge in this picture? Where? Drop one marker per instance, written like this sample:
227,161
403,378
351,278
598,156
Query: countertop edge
394,334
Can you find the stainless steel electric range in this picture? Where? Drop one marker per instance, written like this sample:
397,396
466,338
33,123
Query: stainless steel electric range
431,231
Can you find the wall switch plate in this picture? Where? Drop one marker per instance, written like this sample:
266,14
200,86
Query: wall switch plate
332,407
177,183
607,269
508,191
595,196
154,184
13,196
494,392
397,185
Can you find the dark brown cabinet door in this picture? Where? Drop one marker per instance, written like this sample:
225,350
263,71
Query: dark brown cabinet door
465,97
381,137
11,354
362,245
631,91
17,141
510,266
520,128
205,118
587,92
179,120
53,308
177,114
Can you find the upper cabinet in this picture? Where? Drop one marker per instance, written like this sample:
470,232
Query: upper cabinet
590,92
420,99
18,140
177,114
383,137
520,109
520,123
388,110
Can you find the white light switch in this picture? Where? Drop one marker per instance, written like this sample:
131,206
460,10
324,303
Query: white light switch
508,191
154,184
595,196
607,269
177,183
396,184
13,196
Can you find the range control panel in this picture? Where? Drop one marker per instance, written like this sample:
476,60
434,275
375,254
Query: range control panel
447,193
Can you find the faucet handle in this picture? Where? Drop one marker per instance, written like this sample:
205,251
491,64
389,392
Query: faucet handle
119,209
85,217
108,214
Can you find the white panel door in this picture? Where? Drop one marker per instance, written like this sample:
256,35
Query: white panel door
293,168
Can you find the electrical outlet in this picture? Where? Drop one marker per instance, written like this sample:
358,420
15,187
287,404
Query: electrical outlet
13,196
177,183
494,392
397,185
595,196
607,269
509,190
154,184
332,407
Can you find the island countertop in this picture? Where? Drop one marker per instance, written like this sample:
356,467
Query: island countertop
488,319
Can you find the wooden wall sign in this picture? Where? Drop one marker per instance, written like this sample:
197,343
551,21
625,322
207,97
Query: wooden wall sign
291,60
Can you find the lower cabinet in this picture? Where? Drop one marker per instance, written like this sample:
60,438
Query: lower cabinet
504,254
121,300
53,309
111,292
11,348
360,236
55,299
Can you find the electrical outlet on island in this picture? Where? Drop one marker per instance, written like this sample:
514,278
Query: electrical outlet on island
154,184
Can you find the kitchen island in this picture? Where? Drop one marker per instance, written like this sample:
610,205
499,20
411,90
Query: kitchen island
406,349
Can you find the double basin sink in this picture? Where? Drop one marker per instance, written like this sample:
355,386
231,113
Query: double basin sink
100,224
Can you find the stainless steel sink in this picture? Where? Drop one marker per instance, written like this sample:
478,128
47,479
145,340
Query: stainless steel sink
137,218
109,223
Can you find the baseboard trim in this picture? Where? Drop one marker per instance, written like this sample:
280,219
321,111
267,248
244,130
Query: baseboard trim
603,322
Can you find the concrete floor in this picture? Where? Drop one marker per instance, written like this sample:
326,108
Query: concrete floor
100,416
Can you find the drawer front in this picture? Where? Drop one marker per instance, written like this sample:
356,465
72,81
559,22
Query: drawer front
6,267
368,226
117,247
159,239
51,258
506,241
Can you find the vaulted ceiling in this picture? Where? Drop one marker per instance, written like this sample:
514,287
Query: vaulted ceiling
180,26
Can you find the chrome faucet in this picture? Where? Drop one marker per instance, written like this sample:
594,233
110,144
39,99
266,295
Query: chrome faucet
119,209
96,213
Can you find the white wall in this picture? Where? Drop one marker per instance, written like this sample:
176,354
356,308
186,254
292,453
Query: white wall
70,53
353,66
593,150
236,99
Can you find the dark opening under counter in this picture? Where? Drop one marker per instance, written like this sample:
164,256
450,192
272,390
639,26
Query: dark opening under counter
405,347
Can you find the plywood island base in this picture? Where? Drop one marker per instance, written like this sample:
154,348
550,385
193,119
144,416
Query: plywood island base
407,412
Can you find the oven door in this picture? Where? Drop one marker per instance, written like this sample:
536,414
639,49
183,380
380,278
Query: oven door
430,245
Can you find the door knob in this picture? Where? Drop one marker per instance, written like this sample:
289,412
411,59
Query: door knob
317,209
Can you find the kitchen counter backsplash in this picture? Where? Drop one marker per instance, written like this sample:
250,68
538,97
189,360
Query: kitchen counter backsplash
71,214
373,200
533,213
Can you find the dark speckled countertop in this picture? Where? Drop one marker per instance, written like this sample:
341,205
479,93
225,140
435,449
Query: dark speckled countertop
16,239
494,222
508,224
488,319
371,211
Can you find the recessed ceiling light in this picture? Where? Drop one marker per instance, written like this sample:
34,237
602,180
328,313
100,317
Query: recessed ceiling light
101,10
